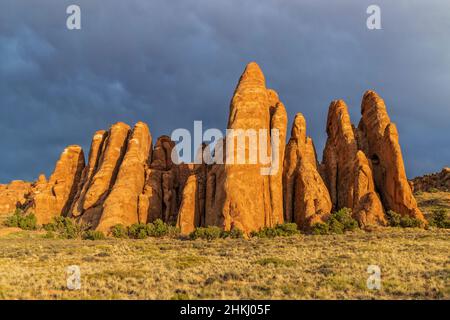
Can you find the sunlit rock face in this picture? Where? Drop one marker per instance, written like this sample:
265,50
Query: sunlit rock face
378,138
347,171
306,197
129,180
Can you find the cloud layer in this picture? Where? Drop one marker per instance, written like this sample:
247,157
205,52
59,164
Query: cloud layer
169,63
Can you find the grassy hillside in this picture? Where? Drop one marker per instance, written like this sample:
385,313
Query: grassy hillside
430,201
415,264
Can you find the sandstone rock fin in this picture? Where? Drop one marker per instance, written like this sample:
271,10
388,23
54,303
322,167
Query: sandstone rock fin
121,204
379,137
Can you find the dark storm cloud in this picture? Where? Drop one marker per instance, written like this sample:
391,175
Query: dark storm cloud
169,63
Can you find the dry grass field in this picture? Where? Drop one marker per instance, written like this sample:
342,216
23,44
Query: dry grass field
415,264
429,201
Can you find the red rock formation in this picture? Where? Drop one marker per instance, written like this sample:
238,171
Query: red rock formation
192,194
161,195
439,181
164,196
126,182
99,187
121,205
40,184
278,121
215,192
97,146
347,172
367,208
306,197
56,197
378,138
151,199
189,216
13,195
233,202
185,173
162,154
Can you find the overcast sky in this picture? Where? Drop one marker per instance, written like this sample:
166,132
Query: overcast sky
168,63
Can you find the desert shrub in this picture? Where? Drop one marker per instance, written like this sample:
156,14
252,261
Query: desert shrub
160,229
259,234
173,232
49,235
236,234
344,216
233,234
66,228
280,230
28,222
339,222
156,229
138,231
213,232
207,233
287,229
13,220
394,218
335,226
93,235
119,231
21,220
440,219
320,228
409,222
225,234
264,233
433,190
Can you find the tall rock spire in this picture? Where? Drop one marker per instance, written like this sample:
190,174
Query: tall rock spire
55,197
306,198
278,121
95,152
378,138
121,205
261,181
107,152
251,200
347,171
